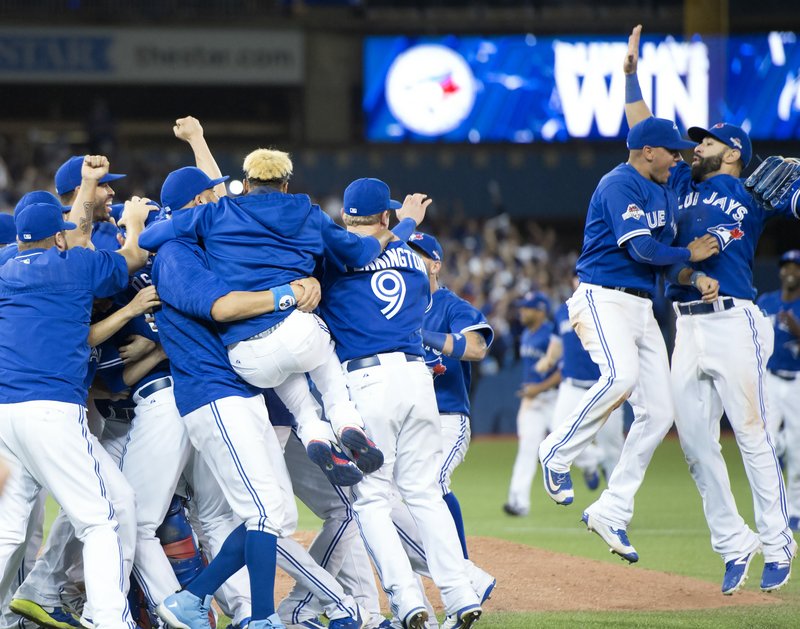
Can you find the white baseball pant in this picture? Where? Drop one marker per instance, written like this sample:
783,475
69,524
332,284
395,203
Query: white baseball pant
398,399
48,444
280,358
533,419
718,364
783,394
623,338
456,435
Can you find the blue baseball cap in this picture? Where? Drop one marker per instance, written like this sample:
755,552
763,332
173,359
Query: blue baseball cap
534,299
728,134
657,132
39,196
427,244
368,196
8,231
68,176
184,184
39,221
793,255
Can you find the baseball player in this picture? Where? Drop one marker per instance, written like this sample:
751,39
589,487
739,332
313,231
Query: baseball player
783,375
538,393
375,312
458,333
629,228
722,345
43,407
68,186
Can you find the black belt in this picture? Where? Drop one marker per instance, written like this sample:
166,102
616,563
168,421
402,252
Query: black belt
722,304
156,385
375,360
790,376
630,291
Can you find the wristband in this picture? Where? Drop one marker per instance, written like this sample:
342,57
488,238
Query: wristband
434,340
459,345
284,297
696,276
633,92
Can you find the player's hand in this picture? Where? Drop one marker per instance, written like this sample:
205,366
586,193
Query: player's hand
414,207
790,320
703,248
187,129
708,287
529,391
94,167
310,293
144,301
137,348
136,211
542,365
632,57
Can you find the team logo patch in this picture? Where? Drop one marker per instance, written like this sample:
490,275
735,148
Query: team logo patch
633,211
287,301
736,142
727,233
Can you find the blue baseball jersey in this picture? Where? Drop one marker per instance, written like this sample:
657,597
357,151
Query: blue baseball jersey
625,205
198,359
575,361
110,370
377,308
786,355
46,301
259,241
104,236
721,206
449,313
532,347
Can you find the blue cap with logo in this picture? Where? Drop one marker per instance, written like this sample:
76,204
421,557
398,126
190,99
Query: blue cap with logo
184,184
39,196
728,134
39,221
8,231
368,196
534,299
68,176
428,245
657,132
793,255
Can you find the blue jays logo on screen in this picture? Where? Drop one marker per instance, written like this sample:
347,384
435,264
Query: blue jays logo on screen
727,233
430,89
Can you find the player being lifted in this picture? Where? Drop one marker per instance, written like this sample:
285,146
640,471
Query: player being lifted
722,346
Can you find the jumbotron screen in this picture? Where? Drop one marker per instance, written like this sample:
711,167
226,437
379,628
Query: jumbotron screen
523,88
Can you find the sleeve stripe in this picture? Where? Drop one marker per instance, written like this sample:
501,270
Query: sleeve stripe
636,232
477,326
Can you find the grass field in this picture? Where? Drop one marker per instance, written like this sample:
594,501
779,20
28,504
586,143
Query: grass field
669,532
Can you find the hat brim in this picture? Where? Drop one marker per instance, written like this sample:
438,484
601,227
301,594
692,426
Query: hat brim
111,177
68,226
680,145
394,205
217,181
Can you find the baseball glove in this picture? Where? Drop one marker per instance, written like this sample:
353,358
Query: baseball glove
774,181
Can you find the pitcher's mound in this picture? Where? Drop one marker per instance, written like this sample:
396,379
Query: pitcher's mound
532,579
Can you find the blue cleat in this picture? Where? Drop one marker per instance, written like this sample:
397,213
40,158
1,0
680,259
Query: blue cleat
183,610
364,452
334,463
348,622
617,539
776,574
464,618
558,486
416,619
52,617
736,573
592,479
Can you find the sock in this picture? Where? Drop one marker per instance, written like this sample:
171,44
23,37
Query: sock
260,554
455,510
230,560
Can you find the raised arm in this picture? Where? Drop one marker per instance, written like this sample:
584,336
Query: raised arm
94,168
189,130
636,109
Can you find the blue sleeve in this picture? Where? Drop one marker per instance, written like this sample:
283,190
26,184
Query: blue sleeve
185,282
405,228
680,178
463,317
622,208
347,248
157,234
648,250
111,368
190,225
108,271
790,207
